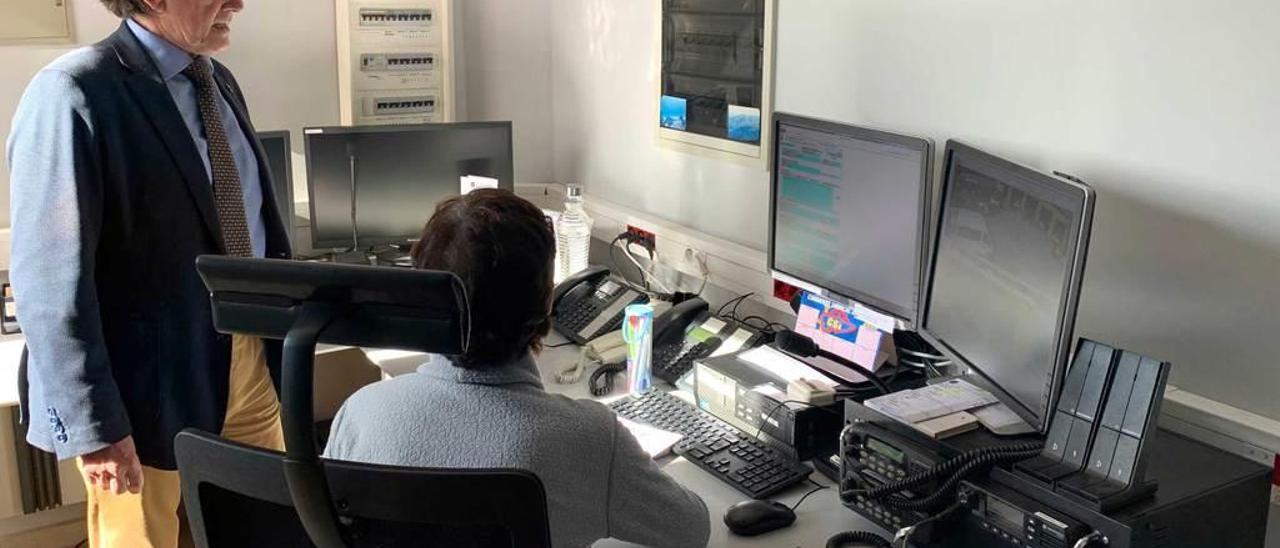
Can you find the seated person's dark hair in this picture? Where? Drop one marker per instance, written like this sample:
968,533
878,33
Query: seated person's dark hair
502,248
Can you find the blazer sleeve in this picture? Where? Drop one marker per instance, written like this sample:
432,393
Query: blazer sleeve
56,214
646,506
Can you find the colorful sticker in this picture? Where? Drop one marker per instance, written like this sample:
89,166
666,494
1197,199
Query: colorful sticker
674,113
744,124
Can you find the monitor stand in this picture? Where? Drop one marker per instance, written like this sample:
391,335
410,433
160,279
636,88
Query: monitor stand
393,256
357,256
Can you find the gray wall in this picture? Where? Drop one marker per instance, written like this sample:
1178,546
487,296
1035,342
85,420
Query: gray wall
282,53
1169,108
505,64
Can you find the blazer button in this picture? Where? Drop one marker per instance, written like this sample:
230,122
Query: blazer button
62,438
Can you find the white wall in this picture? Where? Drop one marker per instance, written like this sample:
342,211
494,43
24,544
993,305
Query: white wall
1168,107
605,79
505,63
282,53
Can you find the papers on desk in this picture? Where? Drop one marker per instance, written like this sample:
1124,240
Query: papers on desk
1001,420
784,366
652,440
922,404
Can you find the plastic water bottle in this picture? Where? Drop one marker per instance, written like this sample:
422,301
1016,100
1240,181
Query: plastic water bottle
573,236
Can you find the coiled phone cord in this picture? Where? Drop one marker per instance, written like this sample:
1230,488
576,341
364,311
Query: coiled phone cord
900,539
947,468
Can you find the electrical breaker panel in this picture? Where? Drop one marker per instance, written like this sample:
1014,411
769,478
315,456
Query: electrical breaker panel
395,61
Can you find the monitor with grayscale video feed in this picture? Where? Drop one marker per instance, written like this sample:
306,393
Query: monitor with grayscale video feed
397,175
848,212
1005,276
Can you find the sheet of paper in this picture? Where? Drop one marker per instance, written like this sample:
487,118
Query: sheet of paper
652,440
935,400
734,343
472,182
714,325
1001,420
883,322
784,366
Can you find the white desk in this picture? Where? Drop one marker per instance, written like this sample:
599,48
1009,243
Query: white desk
817,519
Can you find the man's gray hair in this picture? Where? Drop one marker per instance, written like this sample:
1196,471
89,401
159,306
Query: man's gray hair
125,9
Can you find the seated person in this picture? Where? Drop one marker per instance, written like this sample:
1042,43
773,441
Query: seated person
487,408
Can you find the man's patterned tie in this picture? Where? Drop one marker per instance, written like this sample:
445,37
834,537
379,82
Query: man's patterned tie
227,194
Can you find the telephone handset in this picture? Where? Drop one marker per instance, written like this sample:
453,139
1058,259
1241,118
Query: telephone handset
590,303
688,333
610,350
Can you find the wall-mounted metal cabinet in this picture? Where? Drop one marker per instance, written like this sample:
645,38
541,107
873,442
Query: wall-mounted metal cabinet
715,89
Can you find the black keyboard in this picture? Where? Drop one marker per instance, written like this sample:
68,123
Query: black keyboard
735,458
669,363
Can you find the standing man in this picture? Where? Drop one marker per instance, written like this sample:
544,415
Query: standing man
128,159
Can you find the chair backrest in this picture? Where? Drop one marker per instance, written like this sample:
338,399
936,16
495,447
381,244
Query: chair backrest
237,495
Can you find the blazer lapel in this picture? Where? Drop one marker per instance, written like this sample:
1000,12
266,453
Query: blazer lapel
154,98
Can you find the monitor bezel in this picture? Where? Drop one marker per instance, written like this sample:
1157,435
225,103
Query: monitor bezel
1064,330
286,217
848,295
308,132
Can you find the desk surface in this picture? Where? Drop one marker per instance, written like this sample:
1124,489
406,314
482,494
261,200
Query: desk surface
817,519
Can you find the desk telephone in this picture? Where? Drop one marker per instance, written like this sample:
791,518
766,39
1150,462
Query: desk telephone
684,333
590,303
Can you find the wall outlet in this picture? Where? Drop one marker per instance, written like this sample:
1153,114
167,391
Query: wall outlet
643,237
784,291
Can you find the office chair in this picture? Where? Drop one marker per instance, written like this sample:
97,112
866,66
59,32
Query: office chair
238,495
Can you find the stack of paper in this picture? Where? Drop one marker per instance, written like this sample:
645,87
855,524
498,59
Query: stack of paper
921,404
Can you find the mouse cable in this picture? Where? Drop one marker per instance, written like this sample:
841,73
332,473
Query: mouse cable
817,487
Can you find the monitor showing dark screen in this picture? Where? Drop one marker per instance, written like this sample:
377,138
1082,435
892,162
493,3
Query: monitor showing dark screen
398,174
1005,277
847,212
280,163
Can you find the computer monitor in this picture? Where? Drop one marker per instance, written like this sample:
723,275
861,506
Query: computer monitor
397,174
847,212
280,163
1005,275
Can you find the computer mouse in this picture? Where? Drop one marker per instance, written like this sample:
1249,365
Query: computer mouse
754,517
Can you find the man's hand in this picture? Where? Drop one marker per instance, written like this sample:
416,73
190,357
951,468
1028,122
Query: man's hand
114,468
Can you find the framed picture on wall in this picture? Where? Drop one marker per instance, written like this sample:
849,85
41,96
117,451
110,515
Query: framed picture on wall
716,72
34,21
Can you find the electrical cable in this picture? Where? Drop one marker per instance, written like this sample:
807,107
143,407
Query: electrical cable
599,387
783,403
738,299
573,373
613,248
948,487
840,540
769,325
901,538
954,470
644,272
806,495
